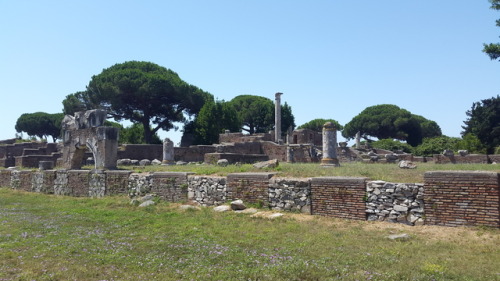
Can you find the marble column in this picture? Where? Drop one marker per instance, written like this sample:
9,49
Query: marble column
277,117
358,140
168,152
329,146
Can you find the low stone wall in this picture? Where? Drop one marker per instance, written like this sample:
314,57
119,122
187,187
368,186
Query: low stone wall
395,202
290,194
207,191
450,198
458,159
212,158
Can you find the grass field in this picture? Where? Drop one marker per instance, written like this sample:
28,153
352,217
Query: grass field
386,172
46,237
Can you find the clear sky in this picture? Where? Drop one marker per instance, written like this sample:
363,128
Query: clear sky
330,58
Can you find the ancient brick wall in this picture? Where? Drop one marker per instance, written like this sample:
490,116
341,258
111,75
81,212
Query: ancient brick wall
141,151
192,153
274,151
232,158
117,182
78,180
239,137
17,148
170,186
5,178
341,197
455,198
494,158
32,161
458,159
249,187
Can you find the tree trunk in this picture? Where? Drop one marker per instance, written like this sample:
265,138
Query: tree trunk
148,134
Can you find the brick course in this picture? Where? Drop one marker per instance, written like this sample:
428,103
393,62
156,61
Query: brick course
455,198
170,186
341,197
249,187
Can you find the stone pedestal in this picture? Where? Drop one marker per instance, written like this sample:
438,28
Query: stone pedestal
168,152
329,146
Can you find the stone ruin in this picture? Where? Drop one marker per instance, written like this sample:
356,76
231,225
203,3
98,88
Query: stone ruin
86,130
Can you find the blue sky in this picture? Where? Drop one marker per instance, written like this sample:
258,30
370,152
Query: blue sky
330,58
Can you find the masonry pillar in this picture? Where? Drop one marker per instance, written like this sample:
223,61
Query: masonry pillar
277,117
289,155
329,146
358,140
168,152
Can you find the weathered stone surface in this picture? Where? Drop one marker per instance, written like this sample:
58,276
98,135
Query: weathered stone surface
237,205
85,130
267,164
45,165
206,190
463,152
448,152
401,237
407,165
168,152
329,158
394,202
222,208
147,203
189,207
247,211
124,162
145,162
222,162
156,162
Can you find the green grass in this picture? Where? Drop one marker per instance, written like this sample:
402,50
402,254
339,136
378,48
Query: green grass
46,237
387,172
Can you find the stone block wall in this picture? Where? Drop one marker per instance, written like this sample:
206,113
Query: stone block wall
395,202
249,187
290,194
139,184
341,197
206,190
170,186
21,180
449,198
61,186
455,198
43,181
